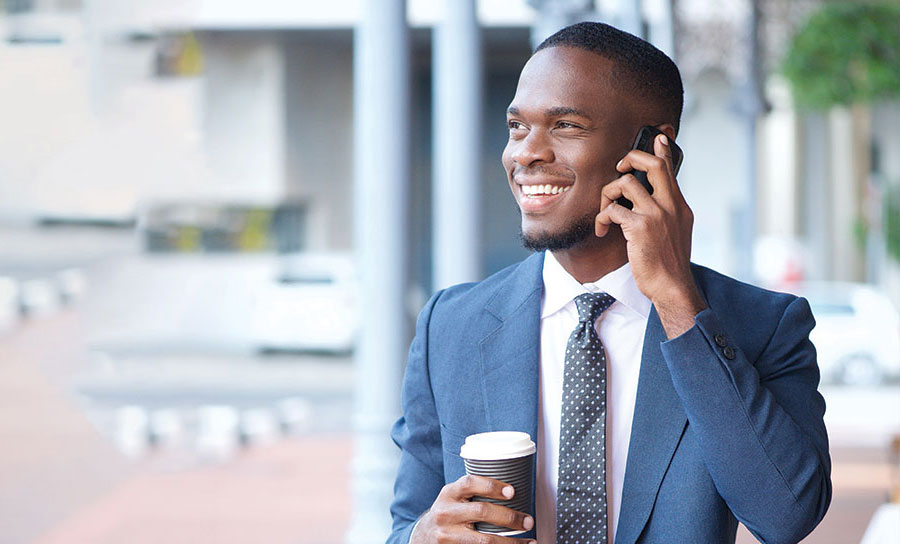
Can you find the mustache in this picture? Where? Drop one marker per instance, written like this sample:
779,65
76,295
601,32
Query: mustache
542,171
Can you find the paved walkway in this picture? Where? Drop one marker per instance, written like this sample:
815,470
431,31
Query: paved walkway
63,483
293,492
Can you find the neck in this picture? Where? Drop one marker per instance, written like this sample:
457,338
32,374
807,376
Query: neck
595,257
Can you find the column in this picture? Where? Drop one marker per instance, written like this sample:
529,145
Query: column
661,27
817,195
456,200
558,14
381,178
630,18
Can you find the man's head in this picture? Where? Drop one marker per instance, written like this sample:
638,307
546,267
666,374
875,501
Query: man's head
581,99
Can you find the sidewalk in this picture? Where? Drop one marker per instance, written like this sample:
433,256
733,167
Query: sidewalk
293,492
63,482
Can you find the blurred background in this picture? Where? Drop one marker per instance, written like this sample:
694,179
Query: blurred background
218,220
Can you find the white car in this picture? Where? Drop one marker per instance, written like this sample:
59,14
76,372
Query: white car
857,333
311,306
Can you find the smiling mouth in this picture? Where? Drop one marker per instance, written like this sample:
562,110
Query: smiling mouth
535,191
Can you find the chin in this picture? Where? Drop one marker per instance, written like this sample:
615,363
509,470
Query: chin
536,238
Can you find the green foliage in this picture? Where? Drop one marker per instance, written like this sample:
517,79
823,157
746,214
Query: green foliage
892,220
846,53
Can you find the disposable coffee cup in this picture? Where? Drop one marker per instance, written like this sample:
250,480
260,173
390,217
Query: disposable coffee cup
507,456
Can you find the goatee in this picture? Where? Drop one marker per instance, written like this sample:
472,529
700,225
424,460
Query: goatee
574,233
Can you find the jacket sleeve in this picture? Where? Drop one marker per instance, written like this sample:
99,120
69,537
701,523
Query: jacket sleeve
760,423
420,476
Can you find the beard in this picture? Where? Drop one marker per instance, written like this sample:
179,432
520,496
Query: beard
572,234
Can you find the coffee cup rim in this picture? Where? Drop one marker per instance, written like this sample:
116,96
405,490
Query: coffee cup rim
484,446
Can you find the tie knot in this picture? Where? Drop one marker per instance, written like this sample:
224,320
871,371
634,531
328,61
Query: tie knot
591,305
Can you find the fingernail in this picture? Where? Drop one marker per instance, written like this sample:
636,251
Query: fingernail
528,523
619,164
663,140
508,492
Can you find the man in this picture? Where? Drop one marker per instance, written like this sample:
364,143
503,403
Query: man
710,414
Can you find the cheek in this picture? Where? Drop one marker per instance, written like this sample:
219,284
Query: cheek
506,158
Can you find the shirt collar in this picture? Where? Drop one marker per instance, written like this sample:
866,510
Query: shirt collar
560,288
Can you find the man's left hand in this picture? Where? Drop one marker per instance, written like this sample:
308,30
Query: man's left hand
658,233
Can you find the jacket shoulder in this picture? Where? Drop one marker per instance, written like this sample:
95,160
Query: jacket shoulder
723,291
473,296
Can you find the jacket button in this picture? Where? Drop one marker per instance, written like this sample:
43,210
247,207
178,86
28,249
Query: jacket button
720,340
728,352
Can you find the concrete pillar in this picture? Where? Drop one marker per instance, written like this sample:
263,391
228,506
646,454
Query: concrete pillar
661,25
818,223
630,17
557,14
381,177
456,200
845,159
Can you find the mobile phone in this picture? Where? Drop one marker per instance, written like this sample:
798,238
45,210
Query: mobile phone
644,141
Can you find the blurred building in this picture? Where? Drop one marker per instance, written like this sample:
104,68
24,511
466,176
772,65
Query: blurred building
173,103
220,125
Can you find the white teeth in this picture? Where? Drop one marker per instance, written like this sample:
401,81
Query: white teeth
533,190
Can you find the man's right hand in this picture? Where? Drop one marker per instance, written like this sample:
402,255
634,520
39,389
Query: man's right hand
452,516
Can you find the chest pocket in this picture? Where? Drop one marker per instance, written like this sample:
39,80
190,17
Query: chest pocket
451,442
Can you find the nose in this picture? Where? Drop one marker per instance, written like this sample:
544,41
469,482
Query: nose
531,149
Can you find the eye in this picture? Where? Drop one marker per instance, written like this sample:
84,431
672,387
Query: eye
566,124
514,125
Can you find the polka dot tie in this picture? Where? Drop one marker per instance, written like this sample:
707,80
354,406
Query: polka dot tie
581,489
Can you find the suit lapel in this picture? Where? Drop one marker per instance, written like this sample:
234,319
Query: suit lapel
511,351
659,421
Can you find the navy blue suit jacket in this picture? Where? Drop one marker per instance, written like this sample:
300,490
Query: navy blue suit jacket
727,424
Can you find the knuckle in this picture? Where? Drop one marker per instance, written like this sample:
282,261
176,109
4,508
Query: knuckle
482,510
514,519
468,481
484,539
441,516
442,536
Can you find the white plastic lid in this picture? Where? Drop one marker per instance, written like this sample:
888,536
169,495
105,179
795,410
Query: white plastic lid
492,446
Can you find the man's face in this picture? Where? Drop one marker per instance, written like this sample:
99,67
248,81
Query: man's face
568,127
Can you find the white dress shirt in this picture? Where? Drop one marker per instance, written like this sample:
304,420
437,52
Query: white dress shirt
621,329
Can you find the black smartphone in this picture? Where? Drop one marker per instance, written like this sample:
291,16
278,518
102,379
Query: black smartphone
644,141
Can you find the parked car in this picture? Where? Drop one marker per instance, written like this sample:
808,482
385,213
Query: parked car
311,305
857,333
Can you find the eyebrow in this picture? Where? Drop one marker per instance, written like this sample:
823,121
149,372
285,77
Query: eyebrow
557,111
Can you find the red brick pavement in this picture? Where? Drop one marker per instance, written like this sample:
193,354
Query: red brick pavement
295,491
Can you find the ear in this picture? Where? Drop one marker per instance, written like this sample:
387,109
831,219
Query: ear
668,130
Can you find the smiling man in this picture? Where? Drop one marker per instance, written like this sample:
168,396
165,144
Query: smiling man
667,402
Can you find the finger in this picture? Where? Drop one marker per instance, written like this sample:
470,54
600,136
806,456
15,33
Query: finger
474,537
664,150
470,485
612,213
629,187
496,514
659,170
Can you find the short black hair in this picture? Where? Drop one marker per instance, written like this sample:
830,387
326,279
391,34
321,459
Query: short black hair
639,68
